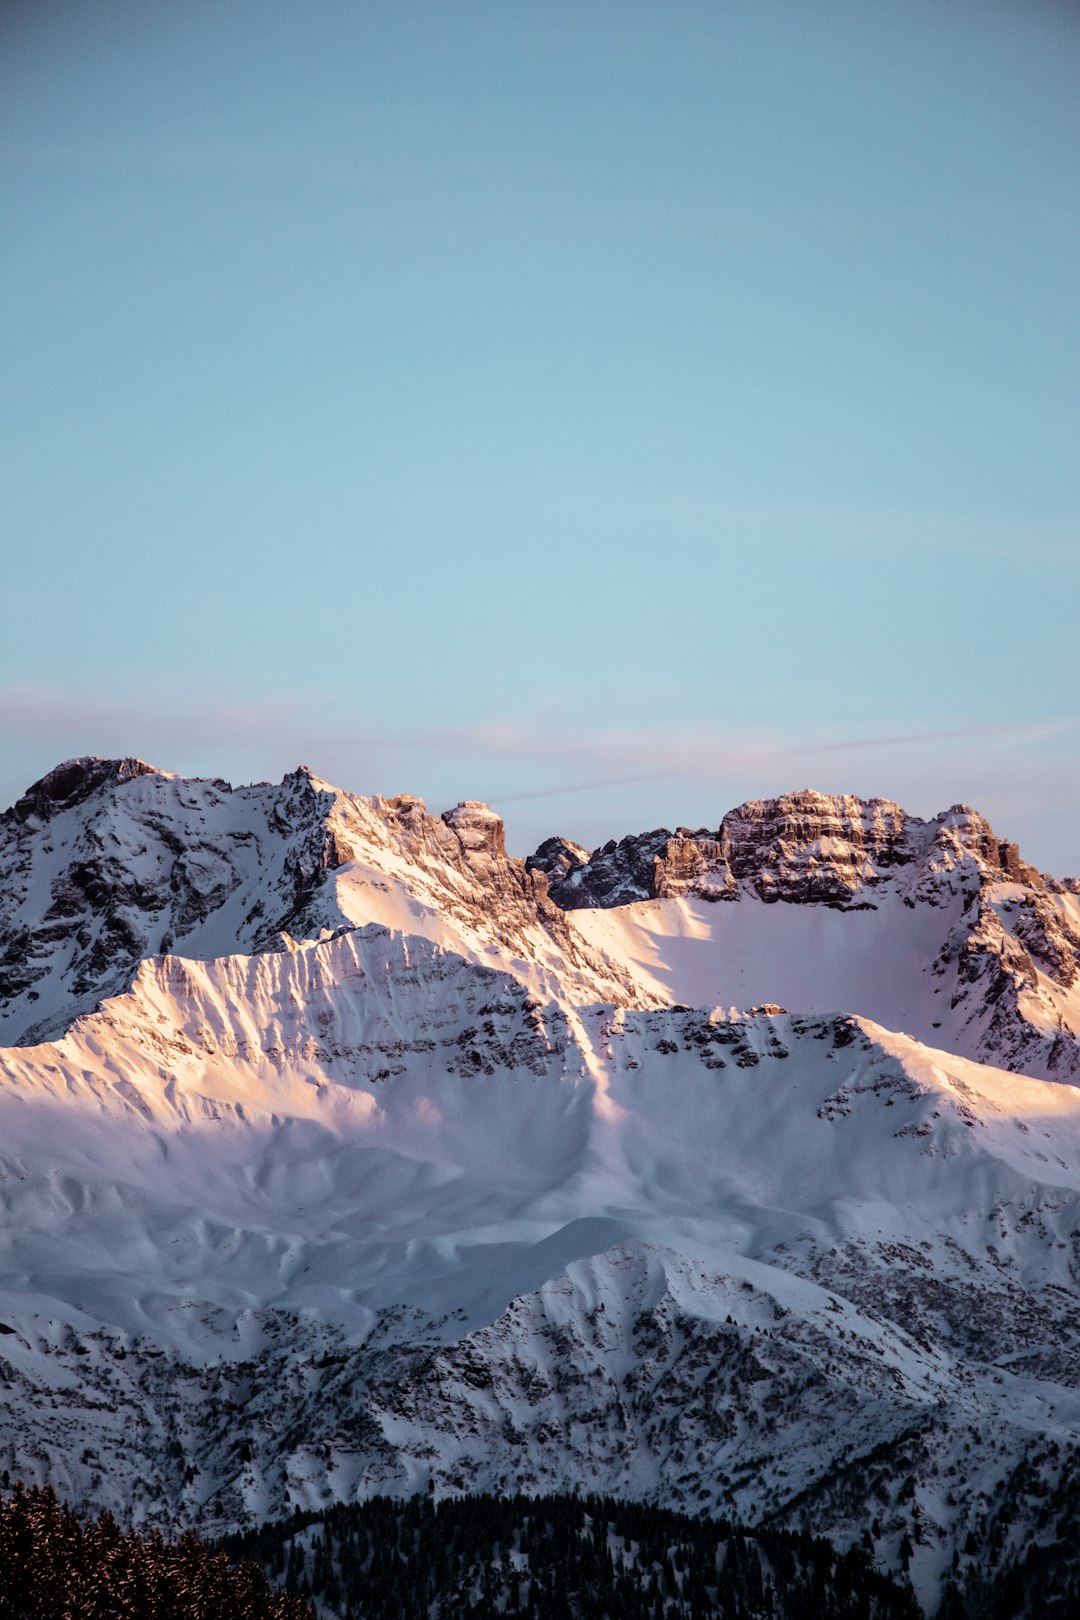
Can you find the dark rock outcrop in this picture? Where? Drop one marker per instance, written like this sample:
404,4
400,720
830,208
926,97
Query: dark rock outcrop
804,847
1011,960
106,862
71,783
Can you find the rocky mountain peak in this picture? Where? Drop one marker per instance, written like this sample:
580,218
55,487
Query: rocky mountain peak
557,858
966,832
108,862
305,780
71,783
804,846
814,846
478,827
105,862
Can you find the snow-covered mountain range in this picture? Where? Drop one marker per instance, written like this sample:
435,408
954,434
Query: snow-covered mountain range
341,1151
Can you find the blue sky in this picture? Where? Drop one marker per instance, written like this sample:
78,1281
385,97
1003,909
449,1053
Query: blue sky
612,410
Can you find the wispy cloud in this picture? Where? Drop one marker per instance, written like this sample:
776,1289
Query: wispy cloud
617,756
37,713
557,791
723,757
1002,735
1023,776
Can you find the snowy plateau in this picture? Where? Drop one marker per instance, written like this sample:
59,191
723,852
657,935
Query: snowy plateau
342,1153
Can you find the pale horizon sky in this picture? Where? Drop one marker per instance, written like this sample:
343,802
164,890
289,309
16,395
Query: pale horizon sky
610,410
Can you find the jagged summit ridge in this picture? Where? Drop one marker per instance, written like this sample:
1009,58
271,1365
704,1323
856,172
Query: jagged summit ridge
988,964
803,846
104,863
72,782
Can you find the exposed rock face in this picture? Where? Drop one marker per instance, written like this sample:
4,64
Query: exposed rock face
809,847
135,862
1008,966
106,862
615,875
803,847
70,783
692,863
557,858
478,829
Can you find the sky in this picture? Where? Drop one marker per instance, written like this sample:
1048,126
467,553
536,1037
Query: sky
609,410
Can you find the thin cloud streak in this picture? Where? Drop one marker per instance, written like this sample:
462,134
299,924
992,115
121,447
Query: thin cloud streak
581,787
847,745
1007,734
731,760
42,714
1021,777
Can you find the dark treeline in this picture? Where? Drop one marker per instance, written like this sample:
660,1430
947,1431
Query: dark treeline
55,1566
1039,1579
561,1558
526,1558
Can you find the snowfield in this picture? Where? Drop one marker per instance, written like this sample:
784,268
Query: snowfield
877,962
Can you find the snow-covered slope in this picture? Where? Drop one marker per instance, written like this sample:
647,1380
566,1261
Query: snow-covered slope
928,969
106,862
377,1167
936,927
